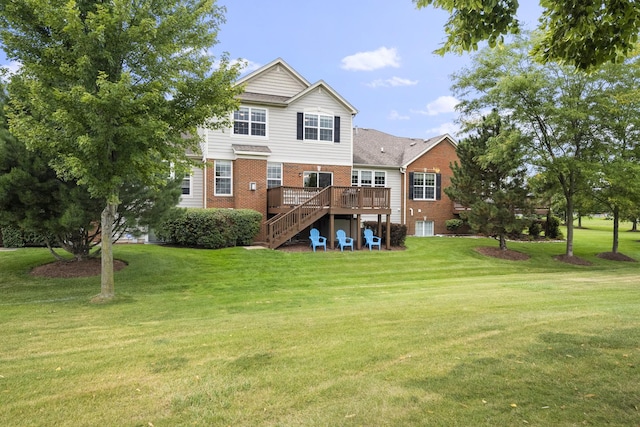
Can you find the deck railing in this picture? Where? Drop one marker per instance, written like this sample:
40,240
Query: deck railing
307,205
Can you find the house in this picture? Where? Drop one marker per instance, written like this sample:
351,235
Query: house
293,155
287,156
415,169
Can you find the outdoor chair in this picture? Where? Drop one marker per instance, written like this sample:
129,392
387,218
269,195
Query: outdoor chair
317,239
343,240
371,240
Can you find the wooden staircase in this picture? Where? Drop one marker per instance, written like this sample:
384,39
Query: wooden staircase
284,226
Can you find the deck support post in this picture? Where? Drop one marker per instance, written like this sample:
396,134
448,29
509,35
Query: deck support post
388,232
332,230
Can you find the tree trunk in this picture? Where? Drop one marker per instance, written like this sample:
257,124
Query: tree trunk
579,220
107,288
634,225
616,224
503,242
569,251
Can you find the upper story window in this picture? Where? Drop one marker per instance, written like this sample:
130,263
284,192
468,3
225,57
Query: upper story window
250,121
274,175
186,185
318,127
367,178
424,186
223,181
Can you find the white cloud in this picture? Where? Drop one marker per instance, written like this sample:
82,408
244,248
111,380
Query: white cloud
392,82
9,69
449,127
442,105
372,60
394,115
249,66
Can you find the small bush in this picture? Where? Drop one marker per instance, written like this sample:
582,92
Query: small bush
552,228
535,228
210,228
398,232
12,237
454,224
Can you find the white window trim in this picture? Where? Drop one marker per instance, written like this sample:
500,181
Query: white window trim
425,186
215,182
266,123
318,114
433,228
373,178
281,172
190,195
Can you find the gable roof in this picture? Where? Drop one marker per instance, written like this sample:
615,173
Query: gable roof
283,101
374,148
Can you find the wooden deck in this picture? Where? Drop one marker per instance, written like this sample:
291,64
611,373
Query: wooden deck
297,208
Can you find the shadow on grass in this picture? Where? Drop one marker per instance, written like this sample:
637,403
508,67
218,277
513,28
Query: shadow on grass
562,379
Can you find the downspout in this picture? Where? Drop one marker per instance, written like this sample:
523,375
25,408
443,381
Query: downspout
205,152
403,172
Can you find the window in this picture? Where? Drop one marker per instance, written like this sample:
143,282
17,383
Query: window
274,175
424,228
365,178
318,179
250,121
223,178
424,186
318,127
186,185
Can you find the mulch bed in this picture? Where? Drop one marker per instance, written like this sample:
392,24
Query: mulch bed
69,269
611,256
507,254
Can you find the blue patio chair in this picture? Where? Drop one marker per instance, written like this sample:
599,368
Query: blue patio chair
317,239
343,240
371,240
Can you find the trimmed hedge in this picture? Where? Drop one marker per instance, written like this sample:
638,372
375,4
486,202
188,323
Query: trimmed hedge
398,232
210,228
12,237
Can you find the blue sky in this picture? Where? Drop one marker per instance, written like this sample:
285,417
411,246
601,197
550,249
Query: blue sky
376,54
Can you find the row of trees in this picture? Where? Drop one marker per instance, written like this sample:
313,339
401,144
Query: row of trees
562,130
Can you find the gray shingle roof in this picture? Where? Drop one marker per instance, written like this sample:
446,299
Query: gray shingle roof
374,148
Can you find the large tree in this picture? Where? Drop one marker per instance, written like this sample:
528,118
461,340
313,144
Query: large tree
112,90
552,107
582,33
490,180
617,185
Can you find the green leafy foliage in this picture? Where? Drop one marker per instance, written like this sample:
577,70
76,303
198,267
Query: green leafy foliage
584,34
490,179
110,90
210,228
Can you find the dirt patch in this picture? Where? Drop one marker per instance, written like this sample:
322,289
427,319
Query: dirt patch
507,254
611,256
68,269
572,260
302,246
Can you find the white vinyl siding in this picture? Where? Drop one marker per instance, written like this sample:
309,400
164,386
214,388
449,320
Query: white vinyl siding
277,81
393,179
194,200
282,141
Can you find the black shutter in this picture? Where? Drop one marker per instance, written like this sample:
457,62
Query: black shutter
410,185
300,126
336,129
438,186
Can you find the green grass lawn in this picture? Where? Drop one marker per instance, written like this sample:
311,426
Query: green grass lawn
436,334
